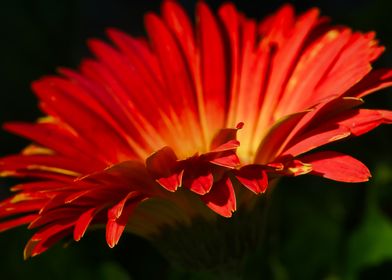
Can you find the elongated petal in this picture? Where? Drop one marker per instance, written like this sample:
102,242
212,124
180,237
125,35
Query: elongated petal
213,65
276,136
17,222
354,122
363,120
337,166
82,223
44,239
116,226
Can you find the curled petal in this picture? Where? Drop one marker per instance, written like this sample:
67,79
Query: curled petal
254,177
221,198
225,139
228,159
164,167
198,178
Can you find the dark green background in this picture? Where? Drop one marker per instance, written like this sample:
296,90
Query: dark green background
319,229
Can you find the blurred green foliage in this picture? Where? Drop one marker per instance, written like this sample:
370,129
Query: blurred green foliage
317,229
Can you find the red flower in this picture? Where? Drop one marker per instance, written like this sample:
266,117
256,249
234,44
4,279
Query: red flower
140,134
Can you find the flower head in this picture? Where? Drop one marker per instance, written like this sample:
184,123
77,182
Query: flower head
155,131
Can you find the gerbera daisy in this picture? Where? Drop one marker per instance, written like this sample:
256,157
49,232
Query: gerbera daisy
159,131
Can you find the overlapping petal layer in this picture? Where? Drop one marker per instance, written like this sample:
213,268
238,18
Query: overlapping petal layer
149,131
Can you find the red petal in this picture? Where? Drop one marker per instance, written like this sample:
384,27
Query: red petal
296,168
276,137
317,138
225,139
53,216
375,80
227,159
254,177
17,222
230,19
362,121
350,67
58,139
176,77
337,166
115,227
171,182
42,241
8,209
202,184
163,165
116,211
289,48
212,69
311,69
178,21
83,222
73,106
354,122
129,174
221,198
230,145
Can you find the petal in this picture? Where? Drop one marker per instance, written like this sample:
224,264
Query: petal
374,81
115,227
53,216
177,79
72,105
58,139
354,122
362,121
47,237
178,21
230,19
39,186
254,177
83,222
317,138
228,159
230,145
6,225
116,211
213,65
50,163
286,56
337,166
199,178
350,67
276,137
131,175
225,139
164,167
221,198
311,69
